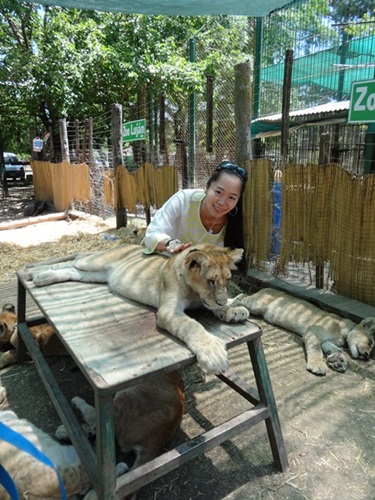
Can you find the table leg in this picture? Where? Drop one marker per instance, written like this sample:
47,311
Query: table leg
105,447
263,382
21,318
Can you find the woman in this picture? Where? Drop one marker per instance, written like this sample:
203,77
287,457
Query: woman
192,216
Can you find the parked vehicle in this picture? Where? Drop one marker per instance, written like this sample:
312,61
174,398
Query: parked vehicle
14,168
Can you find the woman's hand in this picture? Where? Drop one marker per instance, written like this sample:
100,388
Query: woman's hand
176,246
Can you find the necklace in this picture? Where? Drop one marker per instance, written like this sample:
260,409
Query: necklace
210,227
210,230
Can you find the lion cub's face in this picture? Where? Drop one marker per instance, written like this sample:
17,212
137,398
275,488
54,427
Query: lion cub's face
366,345
208,272
8,320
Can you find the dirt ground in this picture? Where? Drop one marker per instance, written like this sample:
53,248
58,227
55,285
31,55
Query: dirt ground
328,424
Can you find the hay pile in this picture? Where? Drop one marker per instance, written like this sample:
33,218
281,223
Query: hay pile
15,257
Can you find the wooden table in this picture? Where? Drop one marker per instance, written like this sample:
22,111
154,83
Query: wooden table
115,343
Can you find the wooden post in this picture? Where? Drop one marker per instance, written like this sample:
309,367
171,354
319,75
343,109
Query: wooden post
242,111
51,144
91,143
32,134
116,133
209,112
98,205
287,85
64,140
192,124
84,148
76,130
324,148
323,160
162,142
4,182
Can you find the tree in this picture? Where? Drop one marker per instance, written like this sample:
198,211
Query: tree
57,62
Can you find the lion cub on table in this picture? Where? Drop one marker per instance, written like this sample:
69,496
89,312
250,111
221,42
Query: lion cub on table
194,278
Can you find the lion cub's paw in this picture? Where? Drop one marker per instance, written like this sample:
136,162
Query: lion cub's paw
317,367
121,468
61,434
233,314
212,355
87,412
337,362
44,278
8,358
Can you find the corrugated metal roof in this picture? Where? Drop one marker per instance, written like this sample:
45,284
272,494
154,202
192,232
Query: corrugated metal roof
329,108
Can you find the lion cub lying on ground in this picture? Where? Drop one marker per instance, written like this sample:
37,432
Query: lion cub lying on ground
8,323
33,479
146,417
44,335
196,277
322,332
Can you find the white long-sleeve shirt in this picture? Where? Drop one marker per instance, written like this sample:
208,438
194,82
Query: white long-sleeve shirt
179,219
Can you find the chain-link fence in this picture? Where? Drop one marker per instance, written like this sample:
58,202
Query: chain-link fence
333,45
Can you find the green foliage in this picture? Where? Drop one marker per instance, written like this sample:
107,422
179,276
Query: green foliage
57,63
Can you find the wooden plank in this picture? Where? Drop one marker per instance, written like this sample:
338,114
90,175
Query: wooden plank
240,386
33,220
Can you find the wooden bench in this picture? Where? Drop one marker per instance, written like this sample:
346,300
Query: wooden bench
115,343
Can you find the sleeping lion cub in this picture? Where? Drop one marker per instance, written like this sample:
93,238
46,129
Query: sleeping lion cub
322,332
146,417
8,323
44,335
196,277
33,479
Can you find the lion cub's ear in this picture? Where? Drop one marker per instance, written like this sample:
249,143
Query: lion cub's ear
9,308
369,325
235,254
196,259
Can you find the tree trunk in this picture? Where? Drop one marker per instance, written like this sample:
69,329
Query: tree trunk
242,111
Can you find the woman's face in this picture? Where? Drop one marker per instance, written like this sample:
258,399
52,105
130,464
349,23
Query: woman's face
222,195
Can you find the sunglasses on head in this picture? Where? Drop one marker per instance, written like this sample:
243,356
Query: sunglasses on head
232,167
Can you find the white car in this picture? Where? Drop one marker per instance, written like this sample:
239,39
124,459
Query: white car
14,168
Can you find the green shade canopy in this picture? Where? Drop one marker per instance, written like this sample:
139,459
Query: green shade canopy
324,68
253,8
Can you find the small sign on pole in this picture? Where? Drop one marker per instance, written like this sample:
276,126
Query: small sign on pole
362,102
134,131
37,144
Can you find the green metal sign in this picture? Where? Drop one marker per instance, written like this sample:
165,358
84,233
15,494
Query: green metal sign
362,102
134,131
